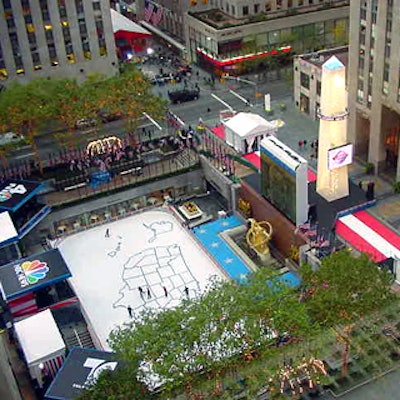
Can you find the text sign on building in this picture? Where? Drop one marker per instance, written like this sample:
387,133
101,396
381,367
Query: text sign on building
29,274
81,368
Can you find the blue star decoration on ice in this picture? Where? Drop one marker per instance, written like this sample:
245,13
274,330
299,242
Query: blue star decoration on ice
214,244
228,260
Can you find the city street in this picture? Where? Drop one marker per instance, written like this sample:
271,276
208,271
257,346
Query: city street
206,107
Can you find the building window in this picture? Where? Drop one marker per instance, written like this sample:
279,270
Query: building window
385,86
45,10
100,36
398,89
79,7
10,23
304,80
7,4
52,54
318,88
256,8
245,10
3,70
62,9
96,6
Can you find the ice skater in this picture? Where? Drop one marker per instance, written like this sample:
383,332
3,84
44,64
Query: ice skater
186,290
129,308
107,235
165,291
141,292
148,293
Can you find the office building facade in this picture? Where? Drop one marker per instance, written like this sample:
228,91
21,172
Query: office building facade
55,38
374,83
242,37
222,34
307,72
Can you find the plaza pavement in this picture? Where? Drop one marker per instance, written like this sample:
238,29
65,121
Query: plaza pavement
299,127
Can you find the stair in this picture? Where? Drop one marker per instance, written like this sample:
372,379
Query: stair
77,336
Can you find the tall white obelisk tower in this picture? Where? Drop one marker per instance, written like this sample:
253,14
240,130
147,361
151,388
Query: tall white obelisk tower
332,178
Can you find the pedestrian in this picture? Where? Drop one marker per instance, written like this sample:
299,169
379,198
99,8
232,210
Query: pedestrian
129,308
186,290
141,292
107,235
208,109
304,143
300,144
165,291
148,293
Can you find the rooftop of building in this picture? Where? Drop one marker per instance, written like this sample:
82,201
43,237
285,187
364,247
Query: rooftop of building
219,19
320,57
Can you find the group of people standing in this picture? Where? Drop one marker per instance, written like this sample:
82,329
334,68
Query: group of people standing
147,294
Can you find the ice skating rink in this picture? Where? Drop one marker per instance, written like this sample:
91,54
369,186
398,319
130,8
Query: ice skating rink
148,260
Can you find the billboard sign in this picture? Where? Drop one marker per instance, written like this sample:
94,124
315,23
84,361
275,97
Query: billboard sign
340,156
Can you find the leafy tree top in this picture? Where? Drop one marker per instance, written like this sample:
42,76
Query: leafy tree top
345,288
208,334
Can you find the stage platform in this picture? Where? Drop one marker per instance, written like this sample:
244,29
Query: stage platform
329,212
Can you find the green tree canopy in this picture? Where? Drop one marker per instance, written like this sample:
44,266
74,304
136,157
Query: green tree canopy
345,288
212,333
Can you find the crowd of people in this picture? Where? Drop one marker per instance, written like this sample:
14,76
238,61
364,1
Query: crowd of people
69,163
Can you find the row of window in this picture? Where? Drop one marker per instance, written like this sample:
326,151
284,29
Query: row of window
364,14
268,6
48,30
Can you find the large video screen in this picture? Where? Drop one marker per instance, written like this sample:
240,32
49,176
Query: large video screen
278,186
340,156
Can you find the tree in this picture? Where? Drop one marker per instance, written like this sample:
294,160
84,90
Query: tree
229,325
343,290
26,108
129,95
73,102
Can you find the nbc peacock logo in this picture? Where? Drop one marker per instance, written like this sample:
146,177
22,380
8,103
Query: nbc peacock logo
31,272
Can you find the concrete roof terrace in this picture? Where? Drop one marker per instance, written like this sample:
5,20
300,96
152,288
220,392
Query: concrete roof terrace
219,19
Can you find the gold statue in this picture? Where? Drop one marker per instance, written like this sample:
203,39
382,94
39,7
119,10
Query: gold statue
258,237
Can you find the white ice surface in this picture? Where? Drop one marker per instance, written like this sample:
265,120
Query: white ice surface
150,249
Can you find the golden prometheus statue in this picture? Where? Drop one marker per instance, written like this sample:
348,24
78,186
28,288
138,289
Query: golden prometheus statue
258,237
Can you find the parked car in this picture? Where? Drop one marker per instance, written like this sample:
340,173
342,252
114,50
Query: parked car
85,123
10,137
181,96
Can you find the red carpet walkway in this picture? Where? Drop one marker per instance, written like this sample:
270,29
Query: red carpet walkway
366,234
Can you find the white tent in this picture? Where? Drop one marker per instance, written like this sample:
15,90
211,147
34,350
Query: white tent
40,340
244,131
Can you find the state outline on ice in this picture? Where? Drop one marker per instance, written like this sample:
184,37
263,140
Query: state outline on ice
152,251
161,223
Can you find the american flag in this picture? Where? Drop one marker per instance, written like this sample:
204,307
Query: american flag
148,10
157,15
